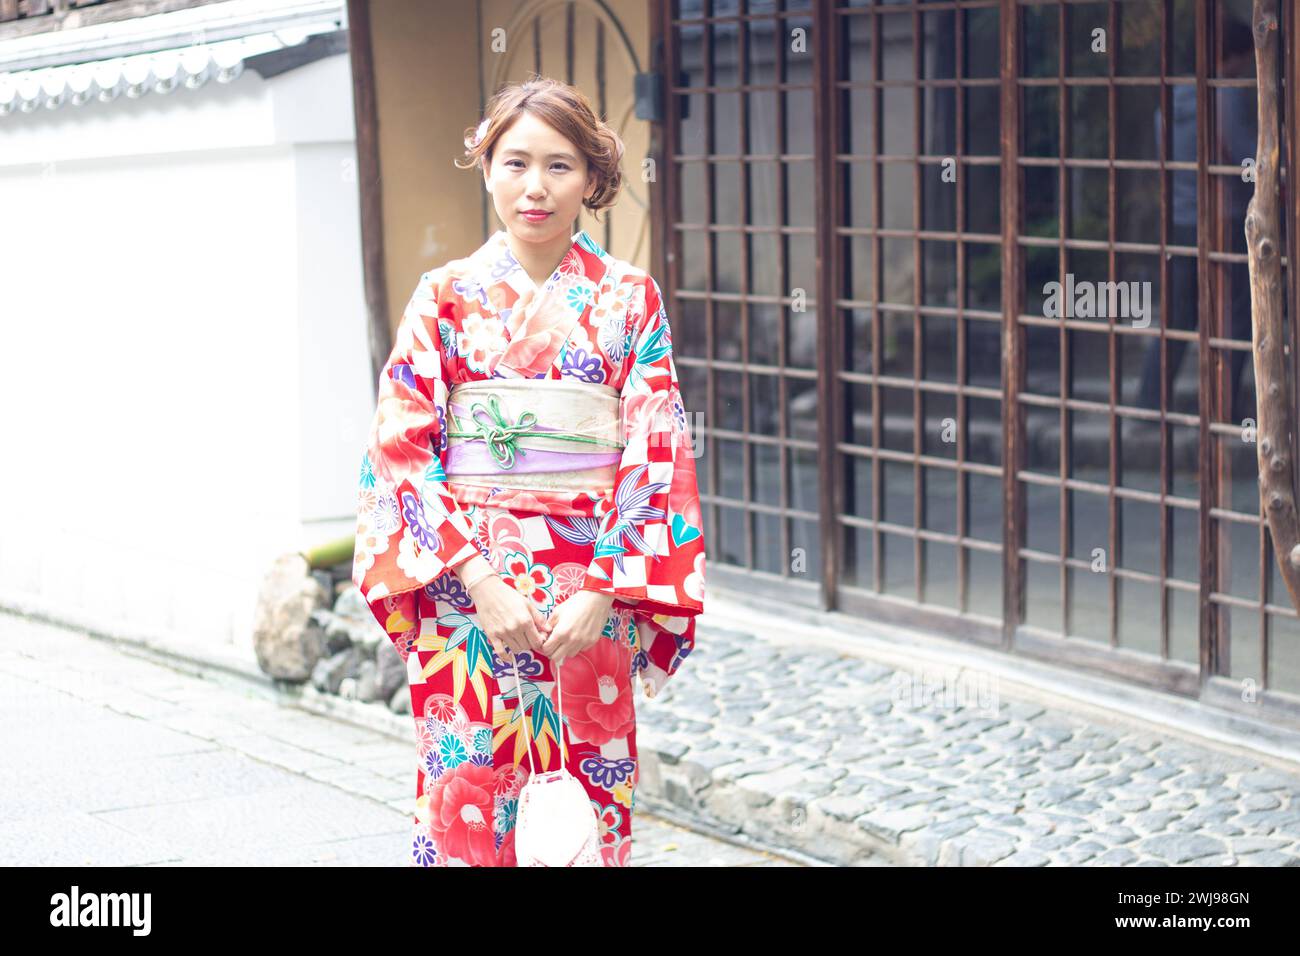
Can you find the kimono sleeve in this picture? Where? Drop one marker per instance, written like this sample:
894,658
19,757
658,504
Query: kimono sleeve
649,552
410,529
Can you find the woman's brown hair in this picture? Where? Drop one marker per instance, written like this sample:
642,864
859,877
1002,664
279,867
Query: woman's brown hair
569,112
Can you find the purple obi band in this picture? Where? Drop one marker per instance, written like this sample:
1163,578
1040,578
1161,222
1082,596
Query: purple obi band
474,457
534,434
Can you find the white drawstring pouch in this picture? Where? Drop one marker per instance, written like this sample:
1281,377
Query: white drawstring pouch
555,824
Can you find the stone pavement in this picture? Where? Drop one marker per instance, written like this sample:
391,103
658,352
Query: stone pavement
871,748
772,732
113,759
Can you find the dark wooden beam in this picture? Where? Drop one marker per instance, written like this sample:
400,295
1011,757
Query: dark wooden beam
830,332
365,112
1013,513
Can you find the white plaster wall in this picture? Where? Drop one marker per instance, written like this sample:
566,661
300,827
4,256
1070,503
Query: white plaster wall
184,384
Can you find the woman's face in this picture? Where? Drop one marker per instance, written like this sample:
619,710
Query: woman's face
534,167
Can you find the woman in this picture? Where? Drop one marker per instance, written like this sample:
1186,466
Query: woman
528,496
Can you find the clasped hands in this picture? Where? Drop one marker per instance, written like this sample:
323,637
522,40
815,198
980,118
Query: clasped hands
513,622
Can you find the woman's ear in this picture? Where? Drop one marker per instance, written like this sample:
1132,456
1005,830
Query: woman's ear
487,173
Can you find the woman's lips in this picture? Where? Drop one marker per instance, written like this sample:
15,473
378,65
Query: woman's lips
535,216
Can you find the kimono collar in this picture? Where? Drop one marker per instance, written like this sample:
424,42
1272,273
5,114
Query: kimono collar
504,267
539,319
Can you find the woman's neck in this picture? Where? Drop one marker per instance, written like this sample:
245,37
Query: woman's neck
539,261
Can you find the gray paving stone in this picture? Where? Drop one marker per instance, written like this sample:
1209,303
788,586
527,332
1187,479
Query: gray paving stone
1007,733
1176,801
1052,734
1203,816
842,808
1082,807
1094,739
278,753
1132,804
1081,853
1025,858
1177,753
1006,820
1105,757
926,844
1114,835
1144,742
1056,793
981,847
79,839
711,760
1264,780
672,749
910,798
1111,783
1268,858
1261,800
281,816
1139,785
877,794
799,783
1133,762
1021,710
852,751
1055,841
889,825
1116,856
1158,772
1181,847
1197,780
734,771
1154,821
1224,829
1221,794
1035,825
1058,760
952,809
1266,821
1253,844
1087,774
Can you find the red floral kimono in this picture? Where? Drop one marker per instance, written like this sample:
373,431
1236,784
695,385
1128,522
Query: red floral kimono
596,319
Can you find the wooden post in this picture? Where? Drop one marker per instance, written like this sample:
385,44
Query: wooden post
1276,418
365,109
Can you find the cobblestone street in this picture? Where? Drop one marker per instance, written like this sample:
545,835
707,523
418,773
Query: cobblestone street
847,754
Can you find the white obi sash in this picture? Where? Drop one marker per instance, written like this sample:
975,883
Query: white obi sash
534,434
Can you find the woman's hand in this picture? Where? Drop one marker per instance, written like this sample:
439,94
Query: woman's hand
576,624
511,621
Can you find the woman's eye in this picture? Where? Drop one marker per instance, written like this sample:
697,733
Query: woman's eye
518,164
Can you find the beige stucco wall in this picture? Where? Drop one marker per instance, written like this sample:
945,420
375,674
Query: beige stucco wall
426,87
435,68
